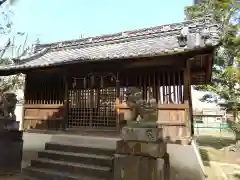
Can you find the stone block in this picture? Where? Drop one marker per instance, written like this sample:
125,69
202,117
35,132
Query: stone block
141,134
11,148
139,168
8,124
152,149
142,124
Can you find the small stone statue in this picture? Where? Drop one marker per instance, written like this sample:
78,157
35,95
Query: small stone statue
141,109
8,103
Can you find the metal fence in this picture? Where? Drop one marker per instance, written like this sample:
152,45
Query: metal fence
212,128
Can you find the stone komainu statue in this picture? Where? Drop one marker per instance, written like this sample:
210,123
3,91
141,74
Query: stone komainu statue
8,103
141,109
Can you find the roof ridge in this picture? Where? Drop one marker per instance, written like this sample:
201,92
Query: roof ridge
162,40
125,35
28,58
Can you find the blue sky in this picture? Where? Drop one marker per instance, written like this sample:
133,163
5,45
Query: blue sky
57,20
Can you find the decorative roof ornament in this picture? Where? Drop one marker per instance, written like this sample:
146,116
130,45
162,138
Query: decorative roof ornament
124,34
90,40
183,37
32,56
60,44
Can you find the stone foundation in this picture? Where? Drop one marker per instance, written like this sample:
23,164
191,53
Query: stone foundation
141,154
11,148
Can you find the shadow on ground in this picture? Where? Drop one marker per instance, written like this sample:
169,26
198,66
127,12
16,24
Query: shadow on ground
28,155
236,176
215,142
218,149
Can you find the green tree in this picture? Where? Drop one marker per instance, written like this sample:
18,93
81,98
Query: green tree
16,81
226,69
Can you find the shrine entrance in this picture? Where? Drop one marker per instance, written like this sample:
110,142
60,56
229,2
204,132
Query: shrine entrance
91,101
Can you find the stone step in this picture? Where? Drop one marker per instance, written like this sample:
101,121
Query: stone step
92,159
46,174
75,168
79,149
85,140
27,178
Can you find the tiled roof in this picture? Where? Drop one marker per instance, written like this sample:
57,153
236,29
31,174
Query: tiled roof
155,41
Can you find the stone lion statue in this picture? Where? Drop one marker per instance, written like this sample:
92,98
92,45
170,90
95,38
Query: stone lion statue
8,103
141,109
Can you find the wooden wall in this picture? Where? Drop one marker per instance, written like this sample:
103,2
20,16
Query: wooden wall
46,102
44,106
170,88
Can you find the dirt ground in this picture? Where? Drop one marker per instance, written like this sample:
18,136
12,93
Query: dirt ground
219,162
10,177
222,171
215,148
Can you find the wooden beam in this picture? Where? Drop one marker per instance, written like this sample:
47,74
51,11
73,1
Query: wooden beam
27,118
172,106
153,62
66,101
42,106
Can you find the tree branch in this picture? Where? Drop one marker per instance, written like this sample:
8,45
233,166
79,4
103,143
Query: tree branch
2,2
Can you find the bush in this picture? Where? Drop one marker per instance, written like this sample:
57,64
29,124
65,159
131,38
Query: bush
236,129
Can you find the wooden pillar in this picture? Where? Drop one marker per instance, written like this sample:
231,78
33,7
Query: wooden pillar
209,68
66,102
117,101
187,98
24,101
92,79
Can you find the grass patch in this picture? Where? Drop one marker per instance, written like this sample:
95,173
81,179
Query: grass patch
218,149
215,142
211,154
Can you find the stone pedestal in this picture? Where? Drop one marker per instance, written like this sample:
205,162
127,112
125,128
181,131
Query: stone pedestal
130,167
141,154
8,124
11,147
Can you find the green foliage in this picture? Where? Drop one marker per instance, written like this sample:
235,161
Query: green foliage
226,69
236,127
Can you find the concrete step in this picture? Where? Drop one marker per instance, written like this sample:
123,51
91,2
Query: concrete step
79,149
46,174
75,168
84,158
85,140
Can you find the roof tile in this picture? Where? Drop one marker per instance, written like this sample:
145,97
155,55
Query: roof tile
153,41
